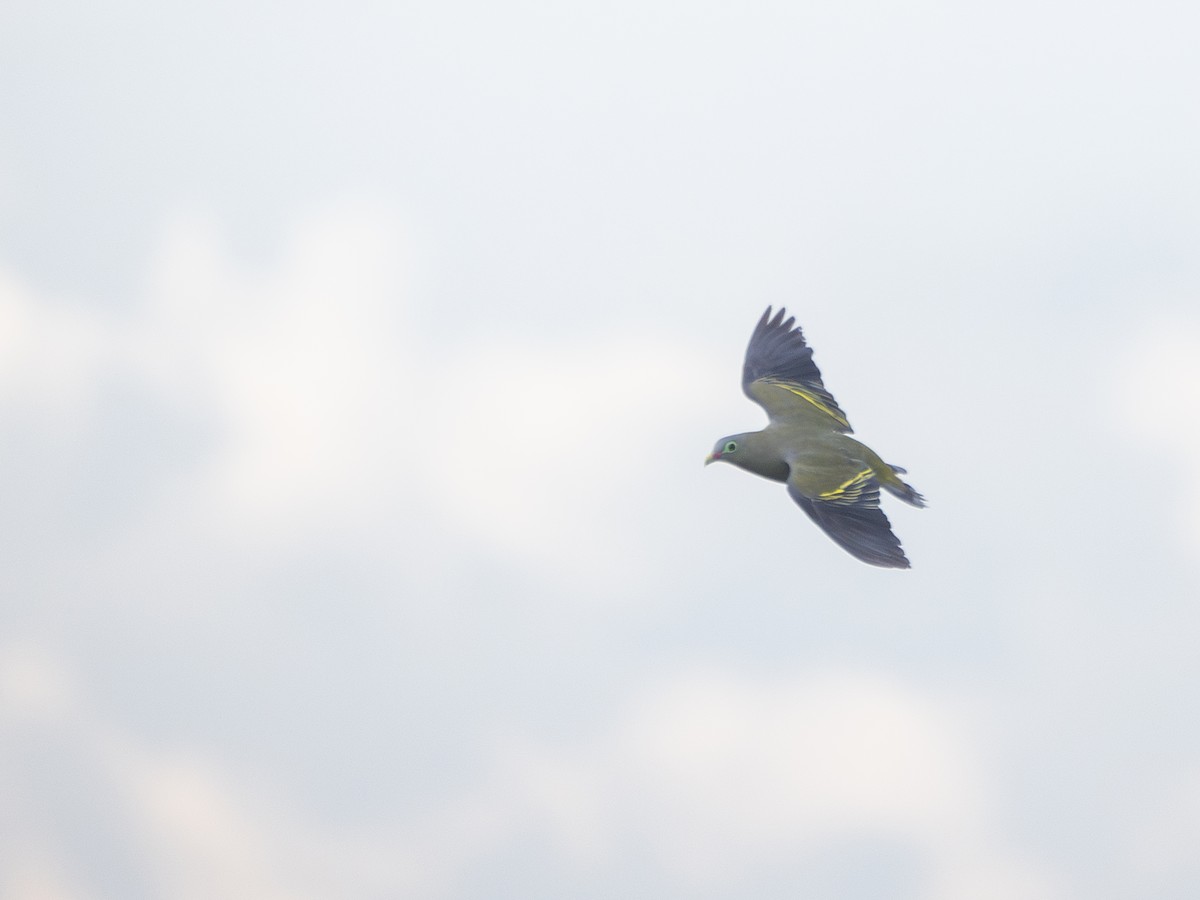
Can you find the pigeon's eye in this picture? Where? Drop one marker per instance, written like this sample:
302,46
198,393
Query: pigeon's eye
730,447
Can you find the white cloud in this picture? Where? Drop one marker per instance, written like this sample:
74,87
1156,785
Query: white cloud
544,450
50,352
33,685
305,365
31,877
709,776
742,771
1157,391
203,840
327,412
197,828
719,776
302,368
1162,839
326,406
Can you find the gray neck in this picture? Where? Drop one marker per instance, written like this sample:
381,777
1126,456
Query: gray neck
759,454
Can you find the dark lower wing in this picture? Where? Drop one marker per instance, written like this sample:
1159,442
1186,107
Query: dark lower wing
860,527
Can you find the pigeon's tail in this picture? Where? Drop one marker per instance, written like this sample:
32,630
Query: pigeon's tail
892,483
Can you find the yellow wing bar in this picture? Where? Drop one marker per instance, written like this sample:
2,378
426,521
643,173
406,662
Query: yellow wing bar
849,490
792,388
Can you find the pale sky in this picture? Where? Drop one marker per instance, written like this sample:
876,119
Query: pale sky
356,372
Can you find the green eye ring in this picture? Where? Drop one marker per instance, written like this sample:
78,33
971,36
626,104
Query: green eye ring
730,447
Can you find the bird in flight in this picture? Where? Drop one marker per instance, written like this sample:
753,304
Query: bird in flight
806,445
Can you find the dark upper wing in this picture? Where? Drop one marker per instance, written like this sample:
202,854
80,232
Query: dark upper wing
852,517
779,374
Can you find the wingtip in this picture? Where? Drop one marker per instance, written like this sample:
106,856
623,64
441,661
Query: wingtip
775,320
881,559
886,561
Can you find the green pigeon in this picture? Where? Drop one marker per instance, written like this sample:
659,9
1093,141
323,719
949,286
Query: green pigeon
806,445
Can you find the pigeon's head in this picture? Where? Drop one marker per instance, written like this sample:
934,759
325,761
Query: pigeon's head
725,450
753,451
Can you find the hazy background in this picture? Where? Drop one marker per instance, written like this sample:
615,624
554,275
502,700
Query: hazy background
356,370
